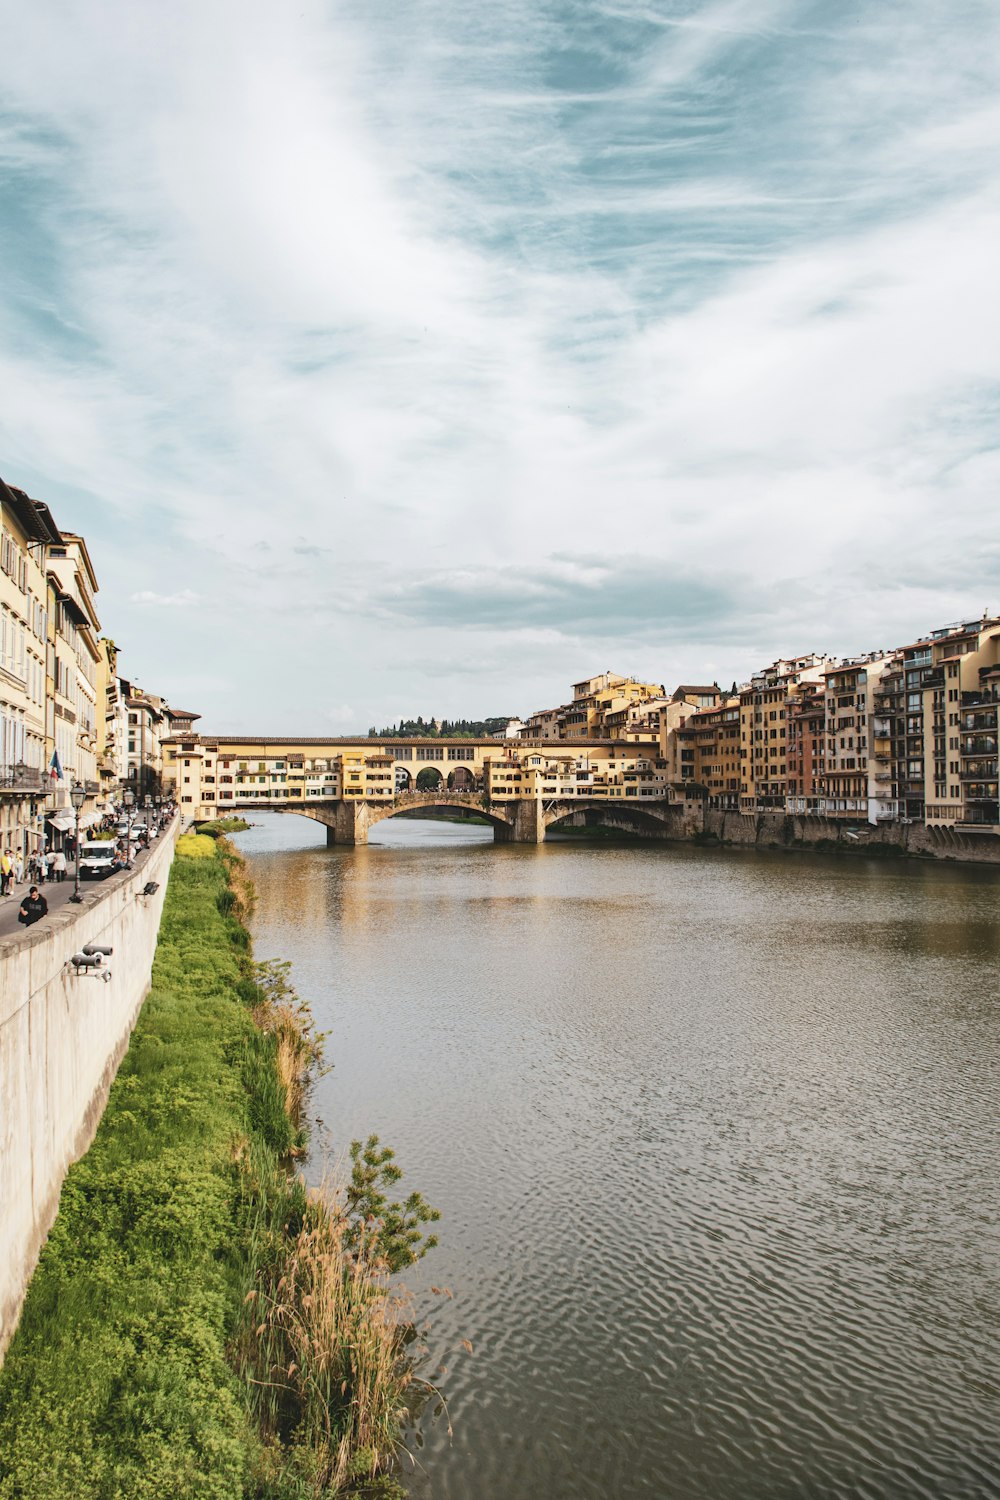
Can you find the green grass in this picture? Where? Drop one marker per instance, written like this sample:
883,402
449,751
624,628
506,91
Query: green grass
117,1382
220,826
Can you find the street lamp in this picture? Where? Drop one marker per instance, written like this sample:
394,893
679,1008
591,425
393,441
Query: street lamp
78,796
129,800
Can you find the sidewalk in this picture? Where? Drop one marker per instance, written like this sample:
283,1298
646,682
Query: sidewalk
56,894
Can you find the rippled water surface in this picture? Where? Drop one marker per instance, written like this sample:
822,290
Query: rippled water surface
715,1141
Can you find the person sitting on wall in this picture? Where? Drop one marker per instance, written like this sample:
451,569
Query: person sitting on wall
33,908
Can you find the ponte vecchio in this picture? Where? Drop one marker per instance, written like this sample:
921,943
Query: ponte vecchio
522,787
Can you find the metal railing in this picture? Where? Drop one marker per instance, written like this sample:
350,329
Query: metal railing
21,778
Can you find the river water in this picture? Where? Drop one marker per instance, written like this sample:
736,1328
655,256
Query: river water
715,1137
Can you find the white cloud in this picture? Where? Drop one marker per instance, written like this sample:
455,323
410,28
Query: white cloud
178,600
399,288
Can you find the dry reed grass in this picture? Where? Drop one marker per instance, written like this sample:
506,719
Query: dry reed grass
240,884
278,1012
324,1351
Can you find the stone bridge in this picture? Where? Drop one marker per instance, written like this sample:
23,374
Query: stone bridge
521,820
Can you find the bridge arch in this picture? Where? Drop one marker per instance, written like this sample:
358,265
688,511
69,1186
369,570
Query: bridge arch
348,822
613,813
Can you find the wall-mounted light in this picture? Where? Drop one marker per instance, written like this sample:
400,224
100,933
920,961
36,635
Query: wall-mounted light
90,965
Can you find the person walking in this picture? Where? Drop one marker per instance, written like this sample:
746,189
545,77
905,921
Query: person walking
43,866
58,865
33,908
6,872
19,867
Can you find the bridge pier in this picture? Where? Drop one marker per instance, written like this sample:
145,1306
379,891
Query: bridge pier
528,826
350,824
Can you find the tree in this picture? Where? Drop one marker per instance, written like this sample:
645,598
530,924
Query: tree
394,1227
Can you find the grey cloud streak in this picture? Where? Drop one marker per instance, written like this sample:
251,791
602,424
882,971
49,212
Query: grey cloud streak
583,596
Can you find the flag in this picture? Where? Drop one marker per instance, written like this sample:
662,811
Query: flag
55,767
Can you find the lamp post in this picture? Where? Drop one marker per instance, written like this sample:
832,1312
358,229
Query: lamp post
129,800
78,796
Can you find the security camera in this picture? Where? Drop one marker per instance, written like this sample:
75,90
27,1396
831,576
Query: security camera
86,960
90,949
150,888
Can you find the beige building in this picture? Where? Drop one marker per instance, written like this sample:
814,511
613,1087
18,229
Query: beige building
684,701
857,777
608,706
26,530
950,682
150,723
111,721
764,712
73,633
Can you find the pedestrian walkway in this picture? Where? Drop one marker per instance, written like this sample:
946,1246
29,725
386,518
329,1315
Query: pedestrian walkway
56,894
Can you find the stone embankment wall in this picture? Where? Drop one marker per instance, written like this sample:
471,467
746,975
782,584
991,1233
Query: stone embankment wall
62,1036
776,830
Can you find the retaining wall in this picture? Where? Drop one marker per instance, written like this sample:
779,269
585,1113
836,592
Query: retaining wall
778,830
62,1036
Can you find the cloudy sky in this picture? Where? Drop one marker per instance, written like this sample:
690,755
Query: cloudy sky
409,356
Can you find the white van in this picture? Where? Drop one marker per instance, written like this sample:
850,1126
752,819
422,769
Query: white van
96,858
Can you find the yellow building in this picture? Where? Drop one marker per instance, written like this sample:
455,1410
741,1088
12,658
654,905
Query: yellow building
708,753
217,775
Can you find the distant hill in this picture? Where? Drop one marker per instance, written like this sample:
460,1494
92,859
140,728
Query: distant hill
442,729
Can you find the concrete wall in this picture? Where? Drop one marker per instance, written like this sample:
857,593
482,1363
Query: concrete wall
776,830
62,1036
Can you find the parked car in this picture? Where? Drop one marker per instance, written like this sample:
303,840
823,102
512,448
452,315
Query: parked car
97,859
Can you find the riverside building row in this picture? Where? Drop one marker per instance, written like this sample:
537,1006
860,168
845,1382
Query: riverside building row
909,735
66,716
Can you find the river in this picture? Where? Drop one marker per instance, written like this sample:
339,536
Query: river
715,1140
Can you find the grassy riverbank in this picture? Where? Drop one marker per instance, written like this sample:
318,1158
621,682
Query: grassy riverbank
198,1326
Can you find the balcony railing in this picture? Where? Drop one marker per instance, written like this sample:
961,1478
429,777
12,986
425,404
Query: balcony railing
983,744
20,778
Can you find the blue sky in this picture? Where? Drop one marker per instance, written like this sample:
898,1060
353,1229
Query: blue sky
421,357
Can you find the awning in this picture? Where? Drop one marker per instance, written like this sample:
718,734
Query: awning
63,821
90,818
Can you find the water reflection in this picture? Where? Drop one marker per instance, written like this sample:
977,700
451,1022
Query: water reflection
715,1137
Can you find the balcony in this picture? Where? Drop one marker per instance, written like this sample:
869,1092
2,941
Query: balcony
979,721
985,770
981,818
23,779
984,744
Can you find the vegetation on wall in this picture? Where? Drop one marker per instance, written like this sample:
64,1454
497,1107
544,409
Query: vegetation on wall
199,1323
